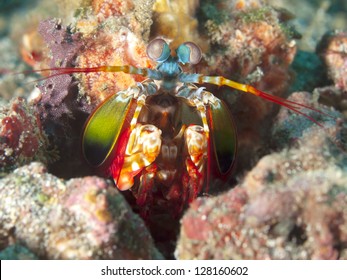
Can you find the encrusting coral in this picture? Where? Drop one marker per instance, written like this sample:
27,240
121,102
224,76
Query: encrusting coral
113,33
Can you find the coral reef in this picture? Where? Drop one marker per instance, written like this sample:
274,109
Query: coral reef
134,14
250,40
291,205
120,47
57,89
61,109
22,137
83,218
105,37
110,33
251,45
114,34
276,209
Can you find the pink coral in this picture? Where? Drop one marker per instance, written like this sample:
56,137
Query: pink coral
22,136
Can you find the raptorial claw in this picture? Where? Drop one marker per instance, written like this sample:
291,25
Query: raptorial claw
142,149
196,141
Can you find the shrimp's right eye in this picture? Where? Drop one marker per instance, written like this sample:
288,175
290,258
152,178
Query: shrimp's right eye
189,52
158,50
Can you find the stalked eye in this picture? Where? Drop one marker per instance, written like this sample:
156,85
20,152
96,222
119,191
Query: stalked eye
189,52
158,50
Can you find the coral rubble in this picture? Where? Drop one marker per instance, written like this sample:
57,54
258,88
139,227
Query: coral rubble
83,218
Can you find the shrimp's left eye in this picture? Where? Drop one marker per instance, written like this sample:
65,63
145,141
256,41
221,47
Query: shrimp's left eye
158,50
189,52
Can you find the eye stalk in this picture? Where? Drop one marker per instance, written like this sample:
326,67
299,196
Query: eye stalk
158,50
189,52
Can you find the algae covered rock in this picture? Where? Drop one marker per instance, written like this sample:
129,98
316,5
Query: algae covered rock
83,218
